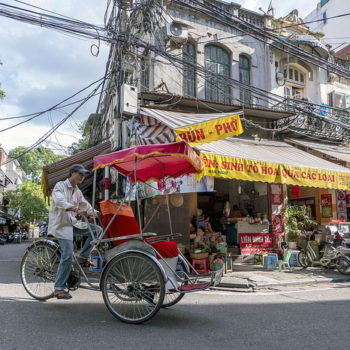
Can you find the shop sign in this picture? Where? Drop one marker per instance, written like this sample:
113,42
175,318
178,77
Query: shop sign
250,170
183,184
277,215
211,130
255,243
341,205
326,204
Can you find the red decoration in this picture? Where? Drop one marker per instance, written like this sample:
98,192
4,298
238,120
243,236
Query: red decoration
296,191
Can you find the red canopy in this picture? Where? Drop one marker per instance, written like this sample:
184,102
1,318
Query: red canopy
154,162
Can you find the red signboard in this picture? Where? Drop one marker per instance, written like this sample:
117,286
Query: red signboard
254,243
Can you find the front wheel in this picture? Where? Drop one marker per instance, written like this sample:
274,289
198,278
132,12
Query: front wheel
343,266
133,287
303,259
38,269
171,299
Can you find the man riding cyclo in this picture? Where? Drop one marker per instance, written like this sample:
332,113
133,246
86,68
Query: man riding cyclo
67,203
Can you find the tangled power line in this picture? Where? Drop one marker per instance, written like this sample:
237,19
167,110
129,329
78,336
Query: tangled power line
147,17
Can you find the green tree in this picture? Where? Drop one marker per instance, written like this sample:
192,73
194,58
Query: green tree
2,94
33,161
83,143
28,201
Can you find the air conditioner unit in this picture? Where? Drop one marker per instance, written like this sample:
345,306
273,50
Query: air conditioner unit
177,31
128,99
337,99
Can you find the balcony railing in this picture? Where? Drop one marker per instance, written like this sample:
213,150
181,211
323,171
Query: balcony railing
312,119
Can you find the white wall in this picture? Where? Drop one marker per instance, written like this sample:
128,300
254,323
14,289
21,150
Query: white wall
333,28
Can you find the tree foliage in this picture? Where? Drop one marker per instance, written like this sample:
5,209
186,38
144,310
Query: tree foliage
83,143
2,94
32,162
28,201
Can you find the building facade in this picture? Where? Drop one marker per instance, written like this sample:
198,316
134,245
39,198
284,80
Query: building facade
203,59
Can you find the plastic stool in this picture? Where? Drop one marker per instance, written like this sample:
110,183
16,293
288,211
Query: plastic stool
200,265
269,262
259,258
274,257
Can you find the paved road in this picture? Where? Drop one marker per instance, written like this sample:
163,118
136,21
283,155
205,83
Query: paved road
308,317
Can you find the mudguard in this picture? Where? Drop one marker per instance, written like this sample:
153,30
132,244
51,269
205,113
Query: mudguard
125,252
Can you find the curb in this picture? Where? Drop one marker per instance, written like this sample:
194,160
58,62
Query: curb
256,285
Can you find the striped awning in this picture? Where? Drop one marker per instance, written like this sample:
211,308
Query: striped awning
157,125
58,171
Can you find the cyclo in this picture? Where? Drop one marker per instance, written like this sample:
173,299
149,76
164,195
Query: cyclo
142,271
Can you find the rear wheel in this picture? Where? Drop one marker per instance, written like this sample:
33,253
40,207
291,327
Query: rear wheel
38,269
343,266
303,259
133,287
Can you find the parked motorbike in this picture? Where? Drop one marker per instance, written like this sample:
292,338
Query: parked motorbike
24,235
333,255
17,237
10,237
2,240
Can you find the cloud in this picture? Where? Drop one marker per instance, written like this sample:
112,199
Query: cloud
41,67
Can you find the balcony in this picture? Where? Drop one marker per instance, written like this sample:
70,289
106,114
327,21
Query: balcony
312,119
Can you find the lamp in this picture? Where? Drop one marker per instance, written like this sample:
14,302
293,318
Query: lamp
280,79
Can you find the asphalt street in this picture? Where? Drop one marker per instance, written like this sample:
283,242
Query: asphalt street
308,317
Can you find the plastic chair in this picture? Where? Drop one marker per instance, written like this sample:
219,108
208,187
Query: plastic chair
285,262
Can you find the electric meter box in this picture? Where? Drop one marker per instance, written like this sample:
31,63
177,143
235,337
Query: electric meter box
129,99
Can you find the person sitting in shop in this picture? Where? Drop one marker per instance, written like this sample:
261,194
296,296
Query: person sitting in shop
210,233
200,220
201,241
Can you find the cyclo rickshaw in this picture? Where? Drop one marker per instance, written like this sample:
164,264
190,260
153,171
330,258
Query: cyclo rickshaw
141,271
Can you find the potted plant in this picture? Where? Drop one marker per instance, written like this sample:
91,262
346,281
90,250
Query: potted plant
298,222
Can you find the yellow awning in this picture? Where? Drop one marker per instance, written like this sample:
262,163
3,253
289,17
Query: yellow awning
272,162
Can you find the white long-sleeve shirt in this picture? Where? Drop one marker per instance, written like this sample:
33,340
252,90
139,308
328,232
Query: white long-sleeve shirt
61,221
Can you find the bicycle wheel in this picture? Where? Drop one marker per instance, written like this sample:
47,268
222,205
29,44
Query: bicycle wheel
171,299
343,266
133,287
38,269
303,259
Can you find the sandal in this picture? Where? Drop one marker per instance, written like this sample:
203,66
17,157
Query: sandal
83,261
61,294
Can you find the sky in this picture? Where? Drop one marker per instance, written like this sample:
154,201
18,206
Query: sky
42,67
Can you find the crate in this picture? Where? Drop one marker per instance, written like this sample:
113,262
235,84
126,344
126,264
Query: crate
269,262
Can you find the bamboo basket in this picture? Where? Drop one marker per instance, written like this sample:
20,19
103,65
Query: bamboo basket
199,255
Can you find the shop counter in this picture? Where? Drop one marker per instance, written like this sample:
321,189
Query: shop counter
254,238
246,227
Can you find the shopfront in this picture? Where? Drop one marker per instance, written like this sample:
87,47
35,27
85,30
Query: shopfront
255,177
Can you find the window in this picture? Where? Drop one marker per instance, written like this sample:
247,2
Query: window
189,55
145,72
217,62
244,77
295,76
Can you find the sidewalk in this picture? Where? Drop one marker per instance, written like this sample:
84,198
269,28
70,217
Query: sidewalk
246,276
